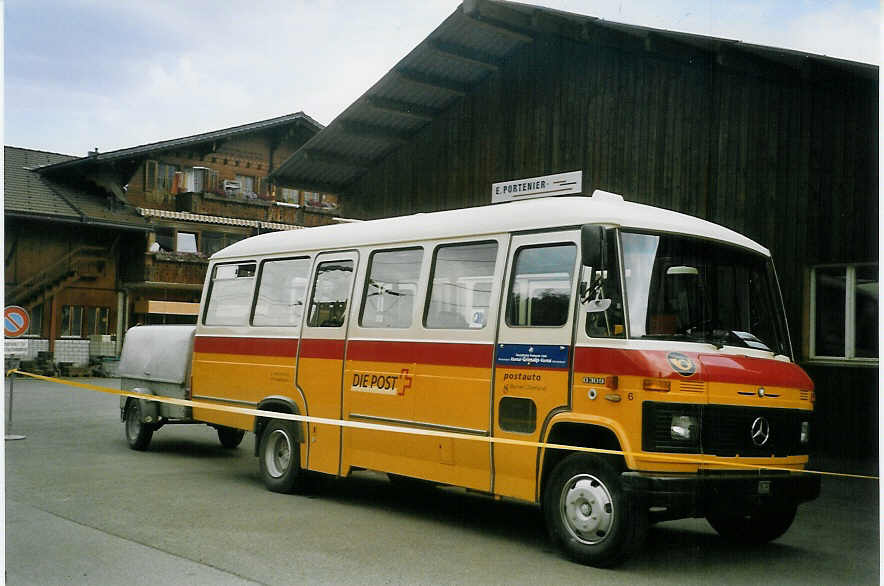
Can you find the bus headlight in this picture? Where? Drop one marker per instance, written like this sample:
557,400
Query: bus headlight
684,428
805,432
672,427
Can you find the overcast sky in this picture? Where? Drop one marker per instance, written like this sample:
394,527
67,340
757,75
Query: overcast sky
81,74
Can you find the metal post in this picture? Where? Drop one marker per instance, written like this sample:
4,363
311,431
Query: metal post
10,436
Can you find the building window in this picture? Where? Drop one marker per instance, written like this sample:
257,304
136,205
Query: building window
186,242
320,201
150,175
97,321
36,327
166,176
212,242
288,195
72,320
248,186
159,176
844,313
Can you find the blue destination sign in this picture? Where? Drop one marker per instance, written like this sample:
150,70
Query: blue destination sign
533,355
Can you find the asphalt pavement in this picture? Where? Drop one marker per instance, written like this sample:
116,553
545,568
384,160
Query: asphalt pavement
82,508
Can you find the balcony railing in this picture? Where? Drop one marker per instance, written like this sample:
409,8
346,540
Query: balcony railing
167,267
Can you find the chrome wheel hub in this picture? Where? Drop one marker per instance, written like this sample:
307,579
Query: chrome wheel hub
278,455
587,509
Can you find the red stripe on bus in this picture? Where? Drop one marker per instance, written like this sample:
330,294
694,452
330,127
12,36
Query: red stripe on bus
318,348
710,367
287,347
437,353
754,371
628,362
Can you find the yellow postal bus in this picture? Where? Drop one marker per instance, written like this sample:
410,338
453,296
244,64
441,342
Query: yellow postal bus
655,339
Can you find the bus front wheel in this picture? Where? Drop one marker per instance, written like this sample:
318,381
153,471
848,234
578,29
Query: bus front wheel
279,457
589,515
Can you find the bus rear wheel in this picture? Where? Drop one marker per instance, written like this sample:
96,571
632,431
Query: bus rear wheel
589,515
230,437
760,526
279,457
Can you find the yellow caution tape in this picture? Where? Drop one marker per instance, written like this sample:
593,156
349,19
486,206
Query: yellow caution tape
669,458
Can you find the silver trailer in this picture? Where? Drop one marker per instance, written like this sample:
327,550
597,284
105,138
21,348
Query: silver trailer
156,361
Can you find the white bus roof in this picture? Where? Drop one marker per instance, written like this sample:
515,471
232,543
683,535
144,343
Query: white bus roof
535,214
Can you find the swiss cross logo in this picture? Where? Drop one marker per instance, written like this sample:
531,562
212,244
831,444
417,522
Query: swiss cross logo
406,381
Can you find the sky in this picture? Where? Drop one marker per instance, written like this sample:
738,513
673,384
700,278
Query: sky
109,74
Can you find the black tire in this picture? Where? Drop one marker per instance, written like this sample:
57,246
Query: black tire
760,526
589,515
138,433
279,457
230,437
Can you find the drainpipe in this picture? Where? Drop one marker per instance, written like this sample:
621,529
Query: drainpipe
121,320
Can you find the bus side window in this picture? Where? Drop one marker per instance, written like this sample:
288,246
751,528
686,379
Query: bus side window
391,288
331,290
460,286
230,295
282,286
540,293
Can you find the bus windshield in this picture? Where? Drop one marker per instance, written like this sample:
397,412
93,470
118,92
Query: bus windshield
689,289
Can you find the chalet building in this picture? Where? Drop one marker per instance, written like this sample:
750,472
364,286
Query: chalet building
99,243
777,144
62,243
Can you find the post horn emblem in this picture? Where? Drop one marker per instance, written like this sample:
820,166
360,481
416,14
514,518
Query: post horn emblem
681,364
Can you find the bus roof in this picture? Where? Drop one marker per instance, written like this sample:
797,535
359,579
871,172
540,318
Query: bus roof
534,214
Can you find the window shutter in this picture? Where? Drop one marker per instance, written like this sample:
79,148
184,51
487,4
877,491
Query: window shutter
150,175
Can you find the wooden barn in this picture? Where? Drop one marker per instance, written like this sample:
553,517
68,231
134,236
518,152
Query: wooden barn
777,144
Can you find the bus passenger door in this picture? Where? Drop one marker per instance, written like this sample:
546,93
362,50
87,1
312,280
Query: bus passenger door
533,352
321,355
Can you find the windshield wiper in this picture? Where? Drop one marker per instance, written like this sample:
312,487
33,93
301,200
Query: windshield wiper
721,338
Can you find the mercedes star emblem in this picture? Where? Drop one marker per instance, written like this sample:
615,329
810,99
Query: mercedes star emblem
760,431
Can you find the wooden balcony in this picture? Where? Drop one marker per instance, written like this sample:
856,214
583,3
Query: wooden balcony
172,270
235,207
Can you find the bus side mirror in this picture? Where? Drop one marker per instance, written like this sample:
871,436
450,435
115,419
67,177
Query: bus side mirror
593,245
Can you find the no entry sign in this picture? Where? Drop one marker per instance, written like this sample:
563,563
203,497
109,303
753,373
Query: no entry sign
16,321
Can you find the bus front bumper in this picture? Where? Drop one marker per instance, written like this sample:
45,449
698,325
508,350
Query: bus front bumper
677,496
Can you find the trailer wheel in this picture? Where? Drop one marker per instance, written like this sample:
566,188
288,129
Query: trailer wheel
230,437
279,457
589,515
138,433
760,526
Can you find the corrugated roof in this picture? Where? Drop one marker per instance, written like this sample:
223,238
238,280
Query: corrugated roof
28,193
202,218
454,59
226,133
